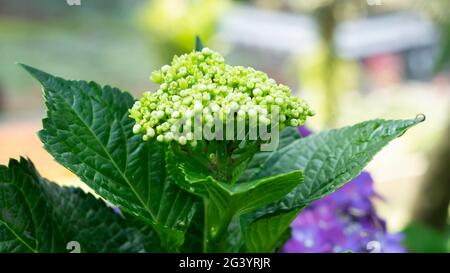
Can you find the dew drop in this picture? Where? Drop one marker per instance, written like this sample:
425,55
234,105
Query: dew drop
420,117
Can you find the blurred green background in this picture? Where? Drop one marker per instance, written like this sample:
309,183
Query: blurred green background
351,59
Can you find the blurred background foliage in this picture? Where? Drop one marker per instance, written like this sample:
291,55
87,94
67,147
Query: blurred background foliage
351,59
171,24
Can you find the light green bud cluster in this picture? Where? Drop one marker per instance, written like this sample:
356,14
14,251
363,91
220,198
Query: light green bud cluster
201,83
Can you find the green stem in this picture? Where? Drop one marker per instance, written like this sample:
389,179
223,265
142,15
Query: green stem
218,218
223,156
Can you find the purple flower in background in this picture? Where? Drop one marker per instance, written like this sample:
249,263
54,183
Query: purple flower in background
118,211
304,132
343,221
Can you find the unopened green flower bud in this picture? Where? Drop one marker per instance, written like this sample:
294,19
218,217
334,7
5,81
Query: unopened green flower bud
175,114
257,92
160,138
189,136
150,132
279,101
183,83
136,128
182,140
168,137
252,113
201,83
156,77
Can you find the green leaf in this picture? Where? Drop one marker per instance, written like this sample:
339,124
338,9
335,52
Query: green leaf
238,198
331,158
198,43
39,216
223,201
420,238
268,232
328,159
287,136
194,234
88,131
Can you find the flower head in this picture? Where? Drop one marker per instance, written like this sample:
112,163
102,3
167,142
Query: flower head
201,83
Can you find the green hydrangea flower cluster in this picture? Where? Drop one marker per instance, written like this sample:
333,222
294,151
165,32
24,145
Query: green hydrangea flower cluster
201,83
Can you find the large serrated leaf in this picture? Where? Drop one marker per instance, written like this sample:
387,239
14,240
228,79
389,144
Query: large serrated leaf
39,216
332,158
88,131
328,159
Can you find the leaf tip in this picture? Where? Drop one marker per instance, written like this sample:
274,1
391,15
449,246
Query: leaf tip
39,75
26,67
198,43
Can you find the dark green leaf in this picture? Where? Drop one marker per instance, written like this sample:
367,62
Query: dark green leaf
328,159
39,216
331,158
88,131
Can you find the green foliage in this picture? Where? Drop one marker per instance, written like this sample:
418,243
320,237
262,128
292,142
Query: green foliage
173,197
172,30
331,158
328,159
39,216
420,238
88,131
